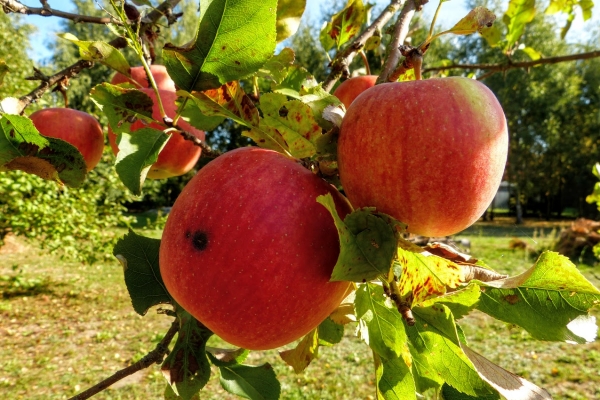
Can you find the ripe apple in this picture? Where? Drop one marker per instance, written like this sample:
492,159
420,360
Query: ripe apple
138,74
179,155
76,127
349,90
430,153
248,251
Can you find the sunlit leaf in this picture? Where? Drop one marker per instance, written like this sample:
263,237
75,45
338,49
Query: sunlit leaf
289,13
519,14
296,79
234,39
122,106
476,20
302,355
276,67
101,52
330,332
394,379
226,357
460,302
531,53
346,24
545,300
254,383
139,257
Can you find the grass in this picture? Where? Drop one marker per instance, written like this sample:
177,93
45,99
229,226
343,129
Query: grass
65,326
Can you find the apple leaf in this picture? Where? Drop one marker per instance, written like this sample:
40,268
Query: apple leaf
226,357
506,383
423,275
424,375
394,379
493,35
254,383
234,39
345,24
330,332
139,257
476,20
296,79
229,101
460,302
305,351
186,368
367,240
122,105
345,314
380,324
276,68
319,100
518,14
568,7
138,150
434,337
551,300
192,114
3,71
450,393
101,52
23,148
289,13
532,53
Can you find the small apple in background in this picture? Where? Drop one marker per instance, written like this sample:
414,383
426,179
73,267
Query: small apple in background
430,153
349,90
179,155
76,127
138,74
248,251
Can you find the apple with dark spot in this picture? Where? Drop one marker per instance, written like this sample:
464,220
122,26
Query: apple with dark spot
179,155
138,74
349,90
76,127
430,153
249,252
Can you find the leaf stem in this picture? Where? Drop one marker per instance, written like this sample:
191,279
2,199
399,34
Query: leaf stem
437,11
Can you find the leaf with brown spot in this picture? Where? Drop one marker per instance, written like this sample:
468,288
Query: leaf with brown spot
186,368
476,20
424,275
304,352
224,357
345,24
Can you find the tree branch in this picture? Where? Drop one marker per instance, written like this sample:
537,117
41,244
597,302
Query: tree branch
494,68
155,356
14,6
342,59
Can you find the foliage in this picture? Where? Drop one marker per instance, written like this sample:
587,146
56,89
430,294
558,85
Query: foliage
14,36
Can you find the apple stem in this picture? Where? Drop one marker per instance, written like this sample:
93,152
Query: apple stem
365,61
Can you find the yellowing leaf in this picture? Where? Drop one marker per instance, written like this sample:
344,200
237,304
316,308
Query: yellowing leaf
345,24
100,52
301,356
289,13
475,21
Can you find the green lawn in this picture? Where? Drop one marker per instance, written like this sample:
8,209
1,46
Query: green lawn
65,326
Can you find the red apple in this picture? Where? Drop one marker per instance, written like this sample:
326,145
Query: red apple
248,251
430,153
179,155
138,74
349,90
76,127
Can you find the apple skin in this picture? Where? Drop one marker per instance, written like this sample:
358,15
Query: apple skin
248,251
349,90
76,127
138,74
430,153
179,155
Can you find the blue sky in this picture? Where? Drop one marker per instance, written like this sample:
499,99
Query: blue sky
452,12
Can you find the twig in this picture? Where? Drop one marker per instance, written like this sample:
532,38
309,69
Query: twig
342,59
155,356
494,68
14,6
398,38
206,150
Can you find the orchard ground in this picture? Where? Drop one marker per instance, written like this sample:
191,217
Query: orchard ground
65,326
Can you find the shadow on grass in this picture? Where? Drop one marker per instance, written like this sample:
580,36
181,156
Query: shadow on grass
17,285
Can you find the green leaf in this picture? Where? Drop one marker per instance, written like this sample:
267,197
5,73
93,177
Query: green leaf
234,39
138,150
394,379
379,322
551,300
186,368
3,71
346,24
289,13
295,80
139,257
449,393
228,101
476,20
330,333
226,357
318,100
434,337
367,243
492,35
518,14
276,68
255,383
509,385
193,115
460,302
101,52
424,275
305,351
23,148
531,53
122,106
